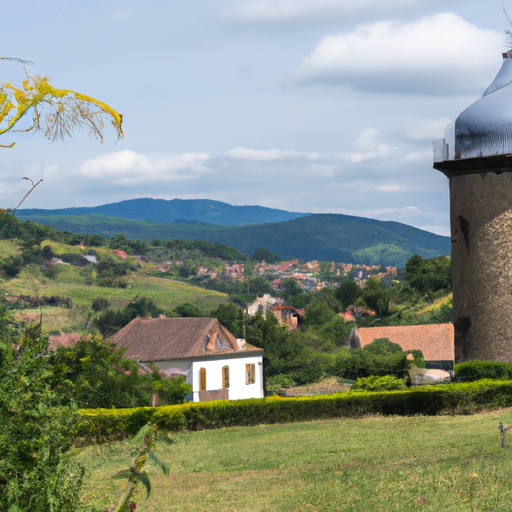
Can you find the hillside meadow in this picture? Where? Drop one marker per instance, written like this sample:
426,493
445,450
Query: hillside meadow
70,282
371,464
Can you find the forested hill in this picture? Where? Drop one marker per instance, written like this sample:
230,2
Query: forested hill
327,237
177,210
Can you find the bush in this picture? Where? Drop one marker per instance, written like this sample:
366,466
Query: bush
462,398
374,383
280,382
308,375
99,304
172,391
476,370
12,266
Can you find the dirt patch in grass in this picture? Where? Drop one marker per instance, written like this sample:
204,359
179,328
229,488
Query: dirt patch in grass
325,386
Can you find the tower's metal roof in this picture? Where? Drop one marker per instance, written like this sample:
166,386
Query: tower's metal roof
484,129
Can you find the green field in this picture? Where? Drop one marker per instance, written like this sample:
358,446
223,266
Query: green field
373,464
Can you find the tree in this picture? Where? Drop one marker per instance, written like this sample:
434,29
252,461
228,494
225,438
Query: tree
97,375
189,310
35,428
290,288
318,313
347,293
35,425
429,276
376,296
55,112
261,254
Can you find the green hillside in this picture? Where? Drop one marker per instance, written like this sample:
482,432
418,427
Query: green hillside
72,282
329,237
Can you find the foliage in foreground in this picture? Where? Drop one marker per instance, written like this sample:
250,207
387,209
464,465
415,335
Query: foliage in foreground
138,473
56,112
35,431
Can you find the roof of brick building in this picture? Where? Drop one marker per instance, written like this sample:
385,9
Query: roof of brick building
436,341
163,339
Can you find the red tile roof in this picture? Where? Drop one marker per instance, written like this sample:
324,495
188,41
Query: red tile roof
164,339
436,341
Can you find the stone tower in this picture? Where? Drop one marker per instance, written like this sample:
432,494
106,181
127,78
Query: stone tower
476,156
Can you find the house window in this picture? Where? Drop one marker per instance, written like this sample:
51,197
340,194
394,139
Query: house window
202,379
250,373
225,377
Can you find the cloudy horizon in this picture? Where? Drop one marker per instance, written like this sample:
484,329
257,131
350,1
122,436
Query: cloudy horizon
317,106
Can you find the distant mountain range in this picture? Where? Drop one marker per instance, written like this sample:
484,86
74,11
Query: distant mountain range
204,211
332,237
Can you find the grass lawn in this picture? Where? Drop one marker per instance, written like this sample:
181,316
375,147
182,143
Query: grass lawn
373,464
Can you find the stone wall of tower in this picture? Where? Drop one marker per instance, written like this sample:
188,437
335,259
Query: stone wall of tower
481,227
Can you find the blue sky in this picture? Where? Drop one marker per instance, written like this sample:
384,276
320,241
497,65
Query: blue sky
305,105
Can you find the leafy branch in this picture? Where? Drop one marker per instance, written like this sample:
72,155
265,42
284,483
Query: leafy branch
137,471
55,112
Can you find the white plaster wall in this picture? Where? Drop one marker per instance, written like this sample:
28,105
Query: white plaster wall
238,389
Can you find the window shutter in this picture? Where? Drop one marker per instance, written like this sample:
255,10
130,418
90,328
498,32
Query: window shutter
225,377
202,379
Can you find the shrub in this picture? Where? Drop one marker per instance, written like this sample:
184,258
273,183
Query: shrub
280,382
12,266
476,370
462,398
308,375
374,383
99,304
172,391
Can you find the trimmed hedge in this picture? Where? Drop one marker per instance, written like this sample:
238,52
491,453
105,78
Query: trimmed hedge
476,370
464,398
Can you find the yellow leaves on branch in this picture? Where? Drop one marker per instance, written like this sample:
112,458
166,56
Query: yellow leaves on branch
55,112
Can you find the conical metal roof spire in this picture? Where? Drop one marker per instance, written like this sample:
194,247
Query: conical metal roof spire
483,130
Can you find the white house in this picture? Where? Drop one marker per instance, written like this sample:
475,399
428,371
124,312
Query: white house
215,363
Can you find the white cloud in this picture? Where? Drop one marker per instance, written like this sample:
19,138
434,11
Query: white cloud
369,140
284,178
390,188
260,154
415,156
435,54
292,10
428,130
128,167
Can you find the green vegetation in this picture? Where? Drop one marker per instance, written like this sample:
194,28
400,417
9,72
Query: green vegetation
476,370
372,464
374,383
330,237
429,276
202,211
382,254
36,424
460,398
94,373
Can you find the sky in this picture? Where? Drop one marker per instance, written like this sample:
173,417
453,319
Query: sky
321,106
